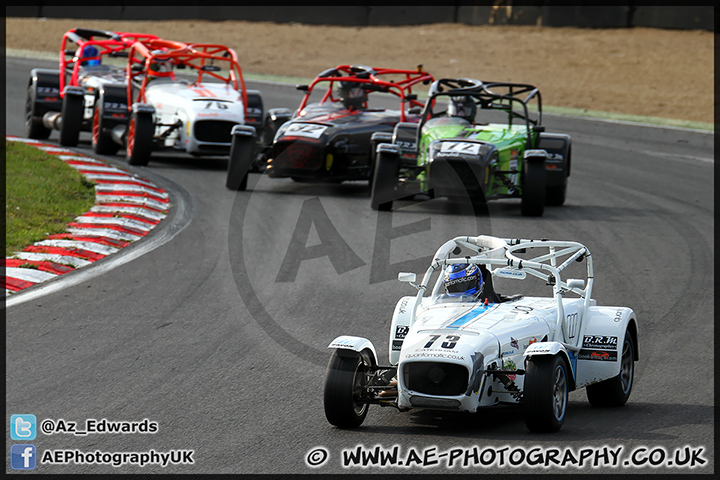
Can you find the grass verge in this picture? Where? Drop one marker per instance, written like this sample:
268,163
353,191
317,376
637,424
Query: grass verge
43,195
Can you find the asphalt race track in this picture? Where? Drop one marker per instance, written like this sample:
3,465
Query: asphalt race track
220,335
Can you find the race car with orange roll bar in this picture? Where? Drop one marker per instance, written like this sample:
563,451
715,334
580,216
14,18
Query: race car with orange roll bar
63,99
325,139
179,97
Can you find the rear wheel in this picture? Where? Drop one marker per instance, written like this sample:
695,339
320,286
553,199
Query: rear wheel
141,130
533,189
34,127
382,191
555,196
345,382
102,142
240,162
71,120
546,393
615,391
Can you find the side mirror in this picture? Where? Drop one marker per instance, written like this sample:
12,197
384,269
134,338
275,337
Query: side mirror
137,67
303,88
539,128
576,283
412,96
406,277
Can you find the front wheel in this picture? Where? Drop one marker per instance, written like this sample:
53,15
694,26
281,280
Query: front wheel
140,133
345,382
546,393
71,120
615,391
34,127
382,189
102,142
240,162
533,189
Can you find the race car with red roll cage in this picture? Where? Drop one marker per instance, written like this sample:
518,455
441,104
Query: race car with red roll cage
327,139
63,99
191,112
452,351
478,141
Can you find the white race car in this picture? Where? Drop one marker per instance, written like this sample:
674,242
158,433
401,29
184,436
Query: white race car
454,352
193,113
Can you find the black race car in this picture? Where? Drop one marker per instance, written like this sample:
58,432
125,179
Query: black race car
327,140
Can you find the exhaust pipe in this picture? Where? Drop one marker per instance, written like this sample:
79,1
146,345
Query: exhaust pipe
118,134
52,120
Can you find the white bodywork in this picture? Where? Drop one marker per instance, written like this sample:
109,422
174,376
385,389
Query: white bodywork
437,329
189,104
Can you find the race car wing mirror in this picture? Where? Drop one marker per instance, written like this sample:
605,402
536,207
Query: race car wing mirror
539,128
407,277
576,283
137,67
303,88
412,96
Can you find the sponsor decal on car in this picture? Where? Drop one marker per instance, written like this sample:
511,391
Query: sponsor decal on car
509,365
600,355
401,331
397,345
514,342
601,342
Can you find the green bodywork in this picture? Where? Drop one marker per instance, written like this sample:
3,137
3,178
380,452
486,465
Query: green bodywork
510,141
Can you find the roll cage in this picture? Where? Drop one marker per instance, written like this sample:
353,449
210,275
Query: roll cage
512,98
370,79
502,253
112,44
198,57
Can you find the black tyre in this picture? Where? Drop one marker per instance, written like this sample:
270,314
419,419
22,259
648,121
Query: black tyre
546,393
34,127
345,381
139,143
615,391
240,162
555,196
533,194
382,192
102,142
71,120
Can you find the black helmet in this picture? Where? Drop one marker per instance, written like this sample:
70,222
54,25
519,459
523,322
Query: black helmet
463,107
352,94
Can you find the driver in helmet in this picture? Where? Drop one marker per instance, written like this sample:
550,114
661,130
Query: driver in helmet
161,66
470,281
352,95
462,107
90,57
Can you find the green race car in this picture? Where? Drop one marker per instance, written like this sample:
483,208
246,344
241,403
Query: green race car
476,140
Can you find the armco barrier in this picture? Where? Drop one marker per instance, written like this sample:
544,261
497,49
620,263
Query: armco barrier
505,13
